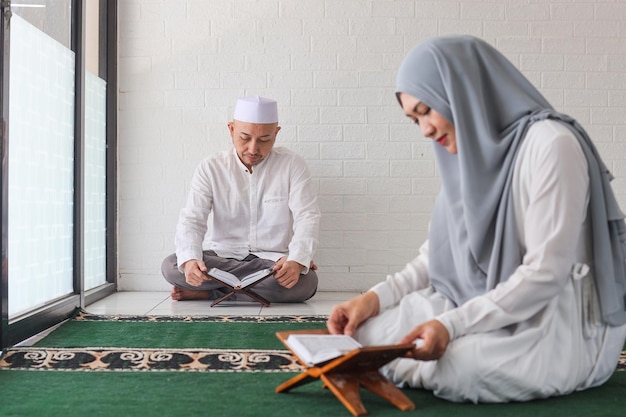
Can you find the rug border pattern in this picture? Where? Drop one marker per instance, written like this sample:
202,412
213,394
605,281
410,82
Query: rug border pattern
158,359
148,359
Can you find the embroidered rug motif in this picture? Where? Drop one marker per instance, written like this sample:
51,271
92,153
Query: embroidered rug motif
120,359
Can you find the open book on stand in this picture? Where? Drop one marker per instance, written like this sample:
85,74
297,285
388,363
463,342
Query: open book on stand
344,366
240,285
315,349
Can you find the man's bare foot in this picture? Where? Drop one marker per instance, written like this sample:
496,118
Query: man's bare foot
181,294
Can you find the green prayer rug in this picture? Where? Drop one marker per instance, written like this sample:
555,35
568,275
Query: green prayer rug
214,366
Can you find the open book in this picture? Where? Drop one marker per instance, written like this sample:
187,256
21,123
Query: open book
315,349
233,281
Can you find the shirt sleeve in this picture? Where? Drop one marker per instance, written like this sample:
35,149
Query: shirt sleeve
192,221
551,208
413,277
306,215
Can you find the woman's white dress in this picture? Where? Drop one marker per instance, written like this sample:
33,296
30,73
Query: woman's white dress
539,333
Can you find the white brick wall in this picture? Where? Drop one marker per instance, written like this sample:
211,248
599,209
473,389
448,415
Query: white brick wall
332,65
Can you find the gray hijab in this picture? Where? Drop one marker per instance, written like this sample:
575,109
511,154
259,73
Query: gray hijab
473,238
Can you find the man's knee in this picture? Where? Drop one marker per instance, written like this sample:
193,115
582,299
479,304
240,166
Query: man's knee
309,287
169,268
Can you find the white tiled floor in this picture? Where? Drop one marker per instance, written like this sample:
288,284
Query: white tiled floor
160,303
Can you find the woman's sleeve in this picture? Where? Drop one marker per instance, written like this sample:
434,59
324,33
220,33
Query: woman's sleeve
554,187
413,277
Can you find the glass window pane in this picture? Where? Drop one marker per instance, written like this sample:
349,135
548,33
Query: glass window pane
41,168
52,17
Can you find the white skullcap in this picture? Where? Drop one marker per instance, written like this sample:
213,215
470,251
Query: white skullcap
255,109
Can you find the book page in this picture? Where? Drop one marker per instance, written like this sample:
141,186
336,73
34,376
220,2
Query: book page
255,276
317,348
224,276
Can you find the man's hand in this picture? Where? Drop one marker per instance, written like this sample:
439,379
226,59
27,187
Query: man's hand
195,272
287,272
347,316
434,340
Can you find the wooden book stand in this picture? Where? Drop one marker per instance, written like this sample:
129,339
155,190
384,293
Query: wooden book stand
346,374
242,290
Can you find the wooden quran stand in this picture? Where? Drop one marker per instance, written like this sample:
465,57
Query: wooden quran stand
245,290
346,374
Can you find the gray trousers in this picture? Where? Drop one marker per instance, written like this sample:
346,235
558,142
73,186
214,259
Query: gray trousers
268,288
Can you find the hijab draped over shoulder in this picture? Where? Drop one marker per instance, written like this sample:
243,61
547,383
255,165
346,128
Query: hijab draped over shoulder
473,238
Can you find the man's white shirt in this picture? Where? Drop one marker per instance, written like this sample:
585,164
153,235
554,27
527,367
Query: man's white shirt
270,213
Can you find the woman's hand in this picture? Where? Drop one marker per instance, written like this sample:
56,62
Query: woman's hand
347,316
433,339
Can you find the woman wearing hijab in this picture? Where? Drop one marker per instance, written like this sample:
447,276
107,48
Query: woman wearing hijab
519,291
